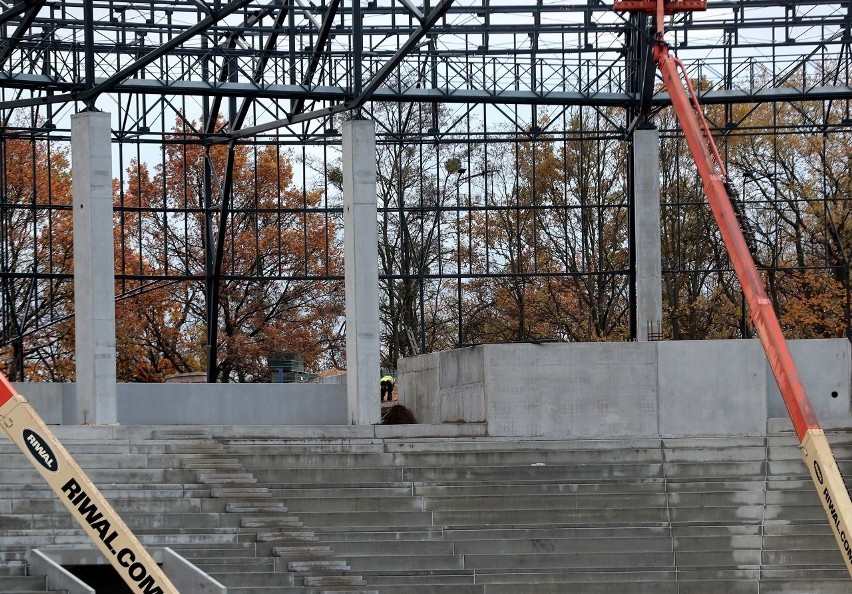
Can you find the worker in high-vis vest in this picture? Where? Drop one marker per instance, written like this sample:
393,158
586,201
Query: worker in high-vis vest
387,387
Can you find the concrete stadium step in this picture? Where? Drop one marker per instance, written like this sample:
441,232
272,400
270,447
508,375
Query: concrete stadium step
134,520
25,584
404,503
366,519
207,463
213,565
290,447
583,544
716,470
329,476
240,492
509,457
395,533
819,558
592,588
100,476
304,552
232,478
409,563
314,460
639,580
284,492
151,505
222,550
727,448
716,497
801,539
464,490
515,444
385,581
283,521
561,561
675,484
181,433
314,565
389,547
817,574
516,474
795,586
567,577
731,515
337,582
246,579
580,517
293,535
256,506
485,515
90,462
545,502
429,589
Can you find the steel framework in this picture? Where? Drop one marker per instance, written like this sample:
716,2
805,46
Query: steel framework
463,82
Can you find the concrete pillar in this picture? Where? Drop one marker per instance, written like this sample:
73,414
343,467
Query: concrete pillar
94,277
649,279
361,261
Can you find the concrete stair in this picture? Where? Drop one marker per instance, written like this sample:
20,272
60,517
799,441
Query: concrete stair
418,514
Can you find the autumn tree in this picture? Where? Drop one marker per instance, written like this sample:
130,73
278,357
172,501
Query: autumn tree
276,239
36,291
588,231
554,234
412,188
793,168
700,294
507,244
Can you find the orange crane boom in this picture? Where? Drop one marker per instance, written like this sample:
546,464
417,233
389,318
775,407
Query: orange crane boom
813,444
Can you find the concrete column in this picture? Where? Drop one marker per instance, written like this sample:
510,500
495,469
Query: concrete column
94,277
361,260
649,278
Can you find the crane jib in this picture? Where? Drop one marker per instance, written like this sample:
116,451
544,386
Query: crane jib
813,444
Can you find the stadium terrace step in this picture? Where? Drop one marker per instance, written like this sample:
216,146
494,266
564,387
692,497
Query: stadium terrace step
248,506
269,521
242,478
318,564
302,552
450,515
24,584
295,535
221,464
355,503
240,492
244,579
335,581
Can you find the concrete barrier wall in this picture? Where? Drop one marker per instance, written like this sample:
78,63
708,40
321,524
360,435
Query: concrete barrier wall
419,386
203,404
621,389
825,367
48,399
712,387
577,390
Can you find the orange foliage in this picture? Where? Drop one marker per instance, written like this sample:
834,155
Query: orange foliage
814,306
37,220
270,232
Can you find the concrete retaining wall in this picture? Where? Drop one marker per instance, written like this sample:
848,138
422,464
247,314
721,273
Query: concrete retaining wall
593,390
203,404
581,390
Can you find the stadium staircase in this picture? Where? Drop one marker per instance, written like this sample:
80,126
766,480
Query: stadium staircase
418,513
